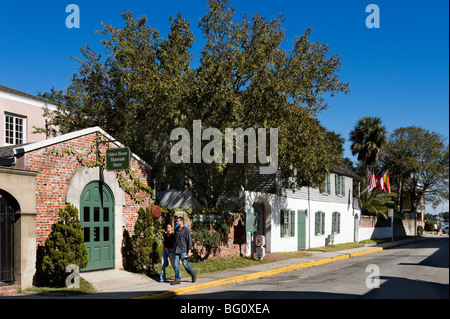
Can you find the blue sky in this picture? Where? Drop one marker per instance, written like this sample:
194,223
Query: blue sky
399,72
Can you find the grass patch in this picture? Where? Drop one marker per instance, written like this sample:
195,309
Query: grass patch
85,288
295,254
210,266
337,247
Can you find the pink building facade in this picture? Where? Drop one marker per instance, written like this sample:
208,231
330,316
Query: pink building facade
20,112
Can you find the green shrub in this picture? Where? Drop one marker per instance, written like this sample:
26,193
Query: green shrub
207,237
64,246
146,250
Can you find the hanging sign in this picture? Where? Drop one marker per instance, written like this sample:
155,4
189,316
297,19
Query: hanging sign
251,222
118,159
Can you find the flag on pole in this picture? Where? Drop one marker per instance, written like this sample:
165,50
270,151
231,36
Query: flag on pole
380,177
370,173
372,179
387,183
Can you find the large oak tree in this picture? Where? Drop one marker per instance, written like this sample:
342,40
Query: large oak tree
142,86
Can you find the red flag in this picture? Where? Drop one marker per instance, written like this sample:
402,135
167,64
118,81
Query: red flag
373,181
381,185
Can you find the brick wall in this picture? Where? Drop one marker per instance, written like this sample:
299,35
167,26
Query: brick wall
233,245
57,164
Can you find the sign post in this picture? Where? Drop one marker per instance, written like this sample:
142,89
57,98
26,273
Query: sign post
251,226
391,215
260,241
118,159
251,222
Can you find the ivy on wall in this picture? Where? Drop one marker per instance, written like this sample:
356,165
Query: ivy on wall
133,189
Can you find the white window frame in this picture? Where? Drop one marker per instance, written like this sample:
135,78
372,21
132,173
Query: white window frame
326,189
14,129
287,223
320,222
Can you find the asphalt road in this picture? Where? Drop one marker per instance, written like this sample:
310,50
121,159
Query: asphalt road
416,271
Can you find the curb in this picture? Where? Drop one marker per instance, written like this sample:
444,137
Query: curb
241,278
257,275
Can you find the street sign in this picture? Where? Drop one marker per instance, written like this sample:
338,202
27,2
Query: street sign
390,212
118,159
251,222
260,240
260,253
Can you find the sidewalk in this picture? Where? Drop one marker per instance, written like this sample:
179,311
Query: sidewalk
117,284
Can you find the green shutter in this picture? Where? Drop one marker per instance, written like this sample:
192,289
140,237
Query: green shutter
292,223
317,224
282,223
333,218
323,223
339,223
336,184
343,185
328,183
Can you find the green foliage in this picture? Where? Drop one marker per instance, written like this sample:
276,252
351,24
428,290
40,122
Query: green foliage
146,250
144,86
64,246
418,161
207,237
368,138
377,202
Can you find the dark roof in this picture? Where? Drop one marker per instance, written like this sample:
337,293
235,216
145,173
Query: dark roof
20,93
343,169
268,183
8,151
265,183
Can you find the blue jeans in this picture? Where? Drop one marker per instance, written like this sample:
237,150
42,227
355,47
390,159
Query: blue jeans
167,255
186,265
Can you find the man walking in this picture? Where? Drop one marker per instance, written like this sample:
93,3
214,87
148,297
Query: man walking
183,246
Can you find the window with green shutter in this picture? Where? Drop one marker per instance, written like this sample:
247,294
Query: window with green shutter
287,223
336,223
320,223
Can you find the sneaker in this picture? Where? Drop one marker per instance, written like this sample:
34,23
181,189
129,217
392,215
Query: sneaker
176,282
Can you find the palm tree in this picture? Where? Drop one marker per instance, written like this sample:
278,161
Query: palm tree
377,202
368,137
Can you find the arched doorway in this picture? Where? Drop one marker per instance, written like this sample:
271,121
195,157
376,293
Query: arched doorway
97,221
262,207
8,208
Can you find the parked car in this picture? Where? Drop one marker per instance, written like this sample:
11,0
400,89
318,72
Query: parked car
445,229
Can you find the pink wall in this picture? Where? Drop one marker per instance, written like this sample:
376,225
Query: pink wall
31,110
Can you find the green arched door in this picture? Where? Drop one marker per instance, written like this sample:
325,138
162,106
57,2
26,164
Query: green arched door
97,221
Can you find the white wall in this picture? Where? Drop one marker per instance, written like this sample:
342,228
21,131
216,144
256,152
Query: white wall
374,232
287,244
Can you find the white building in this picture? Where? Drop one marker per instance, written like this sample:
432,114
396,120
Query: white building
304,218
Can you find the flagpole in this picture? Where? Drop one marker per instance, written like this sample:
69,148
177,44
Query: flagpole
366,190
